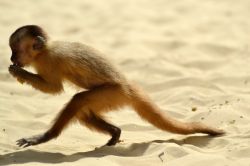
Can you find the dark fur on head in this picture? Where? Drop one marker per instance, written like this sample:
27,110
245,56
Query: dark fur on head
27,30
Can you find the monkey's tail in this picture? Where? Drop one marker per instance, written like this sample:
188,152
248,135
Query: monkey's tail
151,113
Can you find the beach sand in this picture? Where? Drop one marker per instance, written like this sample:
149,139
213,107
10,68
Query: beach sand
192,57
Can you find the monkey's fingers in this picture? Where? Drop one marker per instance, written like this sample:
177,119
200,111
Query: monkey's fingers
34,140
23,143
13,70
25,146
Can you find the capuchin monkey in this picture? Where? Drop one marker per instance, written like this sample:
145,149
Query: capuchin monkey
104,88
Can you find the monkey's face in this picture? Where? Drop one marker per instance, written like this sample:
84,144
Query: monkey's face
27,43
25,50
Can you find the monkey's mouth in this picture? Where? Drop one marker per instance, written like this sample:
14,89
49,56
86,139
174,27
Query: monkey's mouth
18,64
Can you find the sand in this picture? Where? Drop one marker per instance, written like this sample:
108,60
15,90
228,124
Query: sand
191,56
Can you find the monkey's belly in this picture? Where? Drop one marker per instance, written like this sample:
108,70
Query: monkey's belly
85,83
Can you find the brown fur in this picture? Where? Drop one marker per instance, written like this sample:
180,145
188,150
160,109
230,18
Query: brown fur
104,87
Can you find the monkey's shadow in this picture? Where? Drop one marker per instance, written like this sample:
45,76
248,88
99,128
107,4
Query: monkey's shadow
135,149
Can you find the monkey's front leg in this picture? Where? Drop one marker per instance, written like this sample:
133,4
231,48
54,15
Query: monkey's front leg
60,123
35,80
24,76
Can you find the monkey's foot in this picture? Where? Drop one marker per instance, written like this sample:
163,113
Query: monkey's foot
201,128
115,137
35,140
216,132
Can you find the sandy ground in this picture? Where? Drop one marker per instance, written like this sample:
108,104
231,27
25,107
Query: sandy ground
185,53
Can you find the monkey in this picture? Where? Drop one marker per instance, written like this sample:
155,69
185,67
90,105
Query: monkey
103,87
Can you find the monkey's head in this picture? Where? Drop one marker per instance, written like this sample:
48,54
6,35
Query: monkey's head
26,43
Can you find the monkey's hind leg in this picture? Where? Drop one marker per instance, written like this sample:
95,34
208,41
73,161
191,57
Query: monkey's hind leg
96,122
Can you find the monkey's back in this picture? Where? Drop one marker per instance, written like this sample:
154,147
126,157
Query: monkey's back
84,65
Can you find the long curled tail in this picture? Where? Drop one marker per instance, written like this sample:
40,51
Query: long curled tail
151,113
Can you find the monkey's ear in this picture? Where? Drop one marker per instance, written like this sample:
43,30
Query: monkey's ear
39,43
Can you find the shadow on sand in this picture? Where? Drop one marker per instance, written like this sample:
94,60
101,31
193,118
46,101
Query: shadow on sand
135,149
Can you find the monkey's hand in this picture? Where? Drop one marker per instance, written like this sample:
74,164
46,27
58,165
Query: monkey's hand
35,140
18,73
